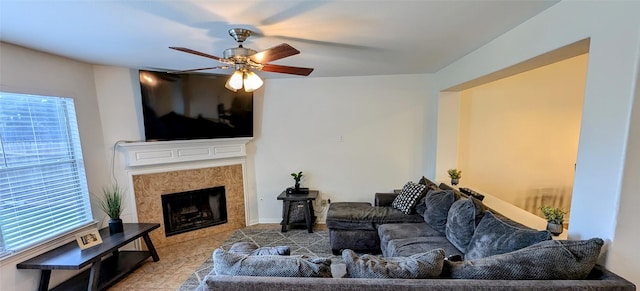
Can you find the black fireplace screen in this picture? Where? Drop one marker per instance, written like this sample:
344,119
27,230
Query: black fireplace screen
191,210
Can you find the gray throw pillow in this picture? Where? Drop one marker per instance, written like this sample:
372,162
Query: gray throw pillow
493,237
437,204
243,248
268,251
430,184
421,206
547,260
408,197
463,217
251,249
229,263
418,266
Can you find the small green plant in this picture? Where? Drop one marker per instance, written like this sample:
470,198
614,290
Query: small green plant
553,214
454,173
297,177
112,201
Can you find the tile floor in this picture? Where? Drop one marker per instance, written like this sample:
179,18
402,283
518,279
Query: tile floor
177,263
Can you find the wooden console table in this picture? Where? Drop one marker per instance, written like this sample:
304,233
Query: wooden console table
296,199
103,273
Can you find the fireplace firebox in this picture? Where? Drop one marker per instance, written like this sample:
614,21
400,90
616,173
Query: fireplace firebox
191,210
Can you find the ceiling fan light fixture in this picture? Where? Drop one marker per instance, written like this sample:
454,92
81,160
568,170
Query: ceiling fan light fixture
245,60
235,81
228,86
252,81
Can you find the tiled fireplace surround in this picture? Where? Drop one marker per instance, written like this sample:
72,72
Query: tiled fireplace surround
158,168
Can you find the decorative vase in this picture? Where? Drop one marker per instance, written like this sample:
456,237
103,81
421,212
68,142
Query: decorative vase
455,181
115,225
297,186
554,229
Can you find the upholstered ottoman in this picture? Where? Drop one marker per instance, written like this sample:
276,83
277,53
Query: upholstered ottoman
353,225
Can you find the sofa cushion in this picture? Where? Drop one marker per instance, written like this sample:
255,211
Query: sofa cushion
229,263
360,215
391,231
547,260
494,236
251,249
409,246
348,215
418,266
355,239
437,204
462,219
408,197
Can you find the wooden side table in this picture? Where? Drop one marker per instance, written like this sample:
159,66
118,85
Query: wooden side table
103,273
306,200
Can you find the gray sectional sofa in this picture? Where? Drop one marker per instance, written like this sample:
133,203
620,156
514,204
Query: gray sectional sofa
444,240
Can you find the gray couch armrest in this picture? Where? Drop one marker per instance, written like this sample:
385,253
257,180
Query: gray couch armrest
384,199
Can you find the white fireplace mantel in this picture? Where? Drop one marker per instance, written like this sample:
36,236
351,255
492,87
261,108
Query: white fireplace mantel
165,152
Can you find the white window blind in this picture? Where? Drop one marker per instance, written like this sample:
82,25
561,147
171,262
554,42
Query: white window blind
43,188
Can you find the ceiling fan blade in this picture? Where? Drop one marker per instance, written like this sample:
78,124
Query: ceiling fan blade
287,70
200,69
186,50
275,53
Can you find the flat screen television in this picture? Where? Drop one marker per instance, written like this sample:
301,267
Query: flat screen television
193,106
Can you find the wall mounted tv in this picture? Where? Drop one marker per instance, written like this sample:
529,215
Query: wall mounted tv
193,106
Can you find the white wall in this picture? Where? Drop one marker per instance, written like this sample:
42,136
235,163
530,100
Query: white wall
519,135
448,129
613,63
624,255
118,94
351,136
26,71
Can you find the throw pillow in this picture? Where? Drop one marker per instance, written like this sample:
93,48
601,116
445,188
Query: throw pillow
251,249
437,203
418,266
547,260
462,219
229,263
428,183
493,237
243,248
268,251
408,197
421,206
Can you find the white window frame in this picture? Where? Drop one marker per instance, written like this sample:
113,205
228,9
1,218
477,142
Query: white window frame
40,146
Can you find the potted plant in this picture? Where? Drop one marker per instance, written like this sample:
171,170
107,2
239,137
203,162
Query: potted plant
297,177
112,203
554,217
455,176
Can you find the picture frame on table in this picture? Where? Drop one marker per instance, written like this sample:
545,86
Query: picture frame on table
89,238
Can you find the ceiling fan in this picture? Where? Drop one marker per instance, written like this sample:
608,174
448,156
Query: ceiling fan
245,60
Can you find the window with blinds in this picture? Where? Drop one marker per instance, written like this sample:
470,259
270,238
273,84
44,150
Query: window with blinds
43,188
